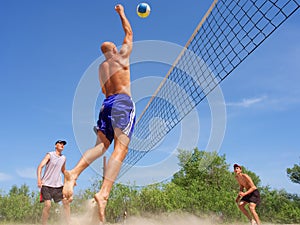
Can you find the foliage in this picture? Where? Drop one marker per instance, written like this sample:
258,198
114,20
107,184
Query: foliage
278,206
204,186
294,173
210,186
20,205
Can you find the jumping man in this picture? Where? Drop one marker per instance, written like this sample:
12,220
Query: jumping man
116,117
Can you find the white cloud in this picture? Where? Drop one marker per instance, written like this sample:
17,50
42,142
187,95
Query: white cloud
245,103
4,177
27,173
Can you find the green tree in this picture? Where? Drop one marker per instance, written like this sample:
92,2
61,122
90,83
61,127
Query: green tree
278,206
204,186
121,199
294,173
210,186
17,204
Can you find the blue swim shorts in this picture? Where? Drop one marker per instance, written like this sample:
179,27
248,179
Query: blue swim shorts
117,111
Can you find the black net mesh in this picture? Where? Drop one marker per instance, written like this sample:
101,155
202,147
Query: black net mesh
230,31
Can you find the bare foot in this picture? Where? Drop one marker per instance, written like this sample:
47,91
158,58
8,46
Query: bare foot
101,202
69,183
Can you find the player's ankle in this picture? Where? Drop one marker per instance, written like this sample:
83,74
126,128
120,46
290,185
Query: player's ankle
253,222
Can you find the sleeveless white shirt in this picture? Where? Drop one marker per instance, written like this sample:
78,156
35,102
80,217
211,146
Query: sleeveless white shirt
52,175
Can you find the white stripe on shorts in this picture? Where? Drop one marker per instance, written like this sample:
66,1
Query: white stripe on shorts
128,128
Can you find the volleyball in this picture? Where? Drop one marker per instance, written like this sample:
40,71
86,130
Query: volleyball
143,10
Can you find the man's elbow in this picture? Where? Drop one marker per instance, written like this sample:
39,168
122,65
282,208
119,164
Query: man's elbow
129,32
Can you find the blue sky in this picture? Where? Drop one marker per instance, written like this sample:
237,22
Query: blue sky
48,47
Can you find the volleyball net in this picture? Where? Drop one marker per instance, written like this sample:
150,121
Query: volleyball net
228,33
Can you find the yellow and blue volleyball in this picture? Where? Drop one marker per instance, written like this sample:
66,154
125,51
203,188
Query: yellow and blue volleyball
143,10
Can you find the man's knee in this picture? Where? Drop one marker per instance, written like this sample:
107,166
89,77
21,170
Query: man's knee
252,207
65,202
121,139
47,204
102,140
241,206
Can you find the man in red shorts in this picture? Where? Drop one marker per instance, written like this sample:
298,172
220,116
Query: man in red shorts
248,194
51,182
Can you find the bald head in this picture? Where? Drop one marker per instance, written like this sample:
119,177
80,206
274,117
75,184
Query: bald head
107,47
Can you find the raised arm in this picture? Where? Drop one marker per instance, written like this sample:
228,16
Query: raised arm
127,42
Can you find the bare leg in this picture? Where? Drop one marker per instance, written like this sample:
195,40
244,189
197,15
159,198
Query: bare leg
111,171
88,157
244,211
46,211
101,202
252,207
67,213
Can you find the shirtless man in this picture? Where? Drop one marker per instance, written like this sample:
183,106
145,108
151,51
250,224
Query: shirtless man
251,194
116,117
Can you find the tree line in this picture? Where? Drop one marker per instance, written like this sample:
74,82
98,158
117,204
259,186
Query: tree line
204,186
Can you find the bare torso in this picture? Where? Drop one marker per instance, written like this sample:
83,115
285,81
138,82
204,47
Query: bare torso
114,75
245,181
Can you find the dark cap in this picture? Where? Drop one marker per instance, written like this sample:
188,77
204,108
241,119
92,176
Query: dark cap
237,165
61,142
